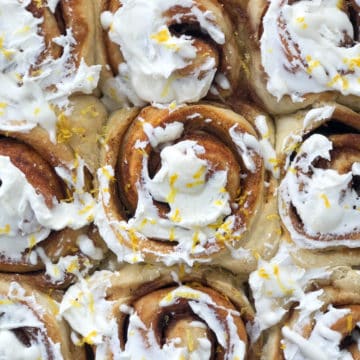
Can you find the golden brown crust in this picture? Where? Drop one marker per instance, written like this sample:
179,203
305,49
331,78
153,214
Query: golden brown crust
78,15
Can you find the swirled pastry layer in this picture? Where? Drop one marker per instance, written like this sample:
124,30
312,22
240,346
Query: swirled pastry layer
47,208
139,311
327,327
311,47
29,327
176,53
41,63
319,196
185,185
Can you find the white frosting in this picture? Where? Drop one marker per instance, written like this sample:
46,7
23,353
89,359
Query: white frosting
19,203
247,145
323,343
319,60
278,283
19,311
312,119
26,220
203,306
57,271
195,198
87,247
28,99
138,344
314,116
267,150
88,312
85,308
154,56
325,201
160,135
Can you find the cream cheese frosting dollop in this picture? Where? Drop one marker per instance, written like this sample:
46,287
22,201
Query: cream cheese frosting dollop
30,90
324,199
196,197
154,56
26,220
317,57
85,307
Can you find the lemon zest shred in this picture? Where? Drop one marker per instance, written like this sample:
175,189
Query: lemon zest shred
326,200
5,230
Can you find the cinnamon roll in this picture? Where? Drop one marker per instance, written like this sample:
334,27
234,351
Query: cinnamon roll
30,326
160,312
276,286
192,184
319,194
303,51
324,329
46,54
46,209
179,51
